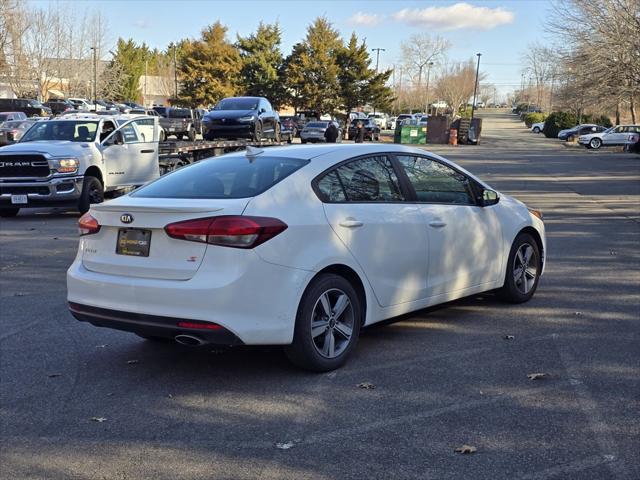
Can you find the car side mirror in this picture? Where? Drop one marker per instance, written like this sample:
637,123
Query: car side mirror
489,197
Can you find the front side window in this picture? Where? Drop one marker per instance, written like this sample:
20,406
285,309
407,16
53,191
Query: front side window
434,182
72,131
370,179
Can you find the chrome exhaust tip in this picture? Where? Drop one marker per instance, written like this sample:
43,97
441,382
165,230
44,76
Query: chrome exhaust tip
189,340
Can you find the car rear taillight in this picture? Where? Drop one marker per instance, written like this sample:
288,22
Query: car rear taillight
87,225
200,325
227,231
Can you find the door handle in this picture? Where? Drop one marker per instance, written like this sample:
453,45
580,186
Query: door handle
437,224
147,151
351,223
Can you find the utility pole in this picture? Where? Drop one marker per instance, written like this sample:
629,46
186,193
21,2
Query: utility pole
378,50
175,69
429,65
475,88
95,80
146,74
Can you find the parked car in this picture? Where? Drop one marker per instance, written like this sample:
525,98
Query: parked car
293,123
619,135
74,160
10,116
391,123
537,127
371,130
337,231
379,119
242,117
82,104
313,132
31,108
180,122
12,131
405,117
582,129
133,105
59,105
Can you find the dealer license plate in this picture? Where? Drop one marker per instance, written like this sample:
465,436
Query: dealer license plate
133,241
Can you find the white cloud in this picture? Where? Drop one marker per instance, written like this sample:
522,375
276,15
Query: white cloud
454,17
365,19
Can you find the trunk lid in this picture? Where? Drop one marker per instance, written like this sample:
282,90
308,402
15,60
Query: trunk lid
168,258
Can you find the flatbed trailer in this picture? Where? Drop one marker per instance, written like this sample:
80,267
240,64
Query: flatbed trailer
173,155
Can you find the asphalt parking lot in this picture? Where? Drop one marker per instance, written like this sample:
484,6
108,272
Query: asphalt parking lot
443,377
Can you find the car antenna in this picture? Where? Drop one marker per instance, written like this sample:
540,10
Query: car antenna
252,152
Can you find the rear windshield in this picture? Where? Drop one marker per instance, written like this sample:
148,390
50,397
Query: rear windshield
179,113
317,125
161,110
222,177
16,124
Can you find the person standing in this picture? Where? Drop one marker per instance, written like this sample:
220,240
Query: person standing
359,132
331,133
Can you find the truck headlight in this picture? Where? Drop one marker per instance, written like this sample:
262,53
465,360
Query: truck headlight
65,165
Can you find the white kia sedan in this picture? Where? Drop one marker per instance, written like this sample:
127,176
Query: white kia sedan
300,246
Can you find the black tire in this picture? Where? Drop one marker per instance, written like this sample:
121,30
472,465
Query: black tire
178,136
92,192
536,130
257,132
276,132
303,141
595,143
192,135
163,136
304,351
9,212
512,291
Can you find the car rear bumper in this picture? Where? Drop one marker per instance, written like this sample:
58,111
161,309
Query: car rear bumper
53,192
150,325
233,295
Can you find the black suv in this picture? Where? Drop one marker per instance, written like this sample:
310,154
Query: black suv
59,105
242,117
31,108
371,130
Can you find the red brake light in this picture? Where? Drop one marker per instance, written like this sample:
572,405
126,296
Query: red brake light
87,225
227,231
200,325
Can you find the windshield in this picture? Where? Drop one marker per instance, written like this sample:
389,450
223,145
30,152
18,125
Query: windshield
179,113
222,177
16,124
35,103
72,131
237,104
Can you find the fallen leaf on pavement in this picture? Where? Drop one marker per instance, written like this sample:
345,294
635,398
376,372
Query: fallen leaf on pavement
284,445
131,362
366,385
98,419
464,449
508,337
537,376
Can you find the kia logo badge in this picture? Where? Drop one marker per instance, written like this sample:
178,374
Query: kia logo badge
126,218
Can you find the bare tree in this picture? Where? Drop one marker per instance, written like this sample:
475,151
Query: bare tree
456,83
539,61
418,52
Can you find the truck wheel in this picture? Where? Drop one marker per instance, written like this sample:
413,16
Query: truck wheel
178,136
92,192
9,212
192,135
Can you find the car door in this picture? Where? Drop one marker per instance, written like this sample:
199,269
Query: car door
130,154
614,137
464,238
366,208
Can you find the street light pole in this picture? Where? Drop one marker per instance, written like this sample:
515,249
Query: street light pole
429,65
378,50
475,88
175,70
95,80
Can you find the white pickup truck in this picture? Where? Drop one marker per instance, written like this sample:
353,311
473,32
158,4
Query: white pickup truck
74,160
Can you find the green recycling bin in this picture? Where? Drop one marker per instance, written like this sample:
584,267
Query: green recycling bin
413,134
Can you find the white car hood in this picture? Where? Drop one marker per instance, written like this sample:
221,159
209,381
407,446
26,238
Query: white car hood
55,148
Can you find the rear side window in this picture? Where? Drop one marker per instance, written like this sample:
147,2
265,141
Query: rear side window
222,177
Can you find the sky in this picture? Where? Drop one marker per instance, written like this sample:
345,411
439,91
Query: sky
500,30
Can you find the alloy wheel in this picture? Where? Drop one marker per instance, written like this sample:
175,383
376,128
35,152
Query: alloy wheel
525,268
332,322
